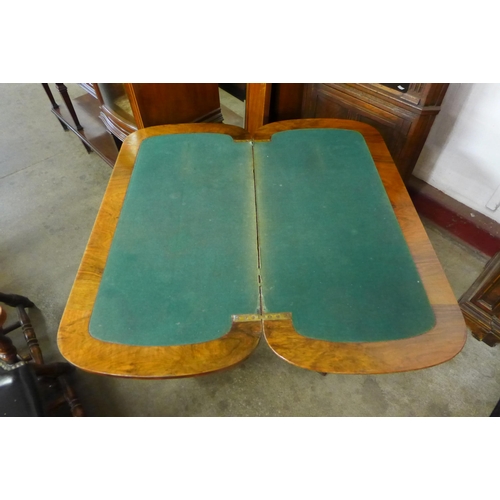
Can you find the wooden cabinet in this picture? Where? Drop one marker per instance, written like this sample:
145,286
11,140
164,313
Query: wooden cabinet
104,116
480,304
403,117
402,113
126,107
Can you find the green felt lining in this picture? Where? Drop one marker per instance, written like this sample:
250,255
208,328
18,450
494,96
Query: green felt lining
184,257
332,251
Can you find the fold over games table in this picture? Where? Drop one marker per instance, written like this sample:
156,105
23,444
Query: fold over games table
208,239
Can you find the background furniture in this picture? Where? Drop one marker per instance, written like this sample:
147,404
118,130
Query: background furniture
28,386
109,112
127,107
404,118
480,304
81,116
402,113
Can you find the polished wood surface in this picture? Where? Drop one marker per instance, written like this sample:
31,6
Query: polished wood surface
160,103
286,101
169,103
257,105
118,126
88,353
438,345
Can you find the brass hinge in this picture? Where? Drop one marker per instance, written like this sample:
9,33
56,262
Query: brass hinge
259,317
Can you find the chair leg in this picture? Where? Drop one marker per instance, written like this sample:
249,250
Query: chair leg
69,394
30,336
56,371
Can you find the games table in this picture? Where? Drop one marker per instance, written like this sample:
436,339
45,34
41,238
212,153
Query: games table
208,239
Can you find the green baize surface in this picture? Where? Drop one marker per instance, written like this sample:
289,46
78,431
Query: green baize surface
332,251
184,255
183,258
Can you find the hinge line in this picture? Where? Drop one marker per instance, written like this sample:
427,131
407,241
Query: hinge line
259,275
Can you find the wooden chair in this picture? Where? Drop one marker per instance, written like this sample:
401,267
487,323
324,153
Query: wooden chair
28,386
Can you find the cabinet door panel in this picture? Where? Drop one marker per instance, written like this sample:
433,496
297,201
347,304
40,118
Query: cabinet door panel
480,304
393,129
488,297
322,101
326,107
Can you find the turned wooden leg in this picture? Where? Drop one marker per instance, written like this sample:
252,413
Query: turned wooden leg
69,394
58,371
54,104
50,96
30,336
63,90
